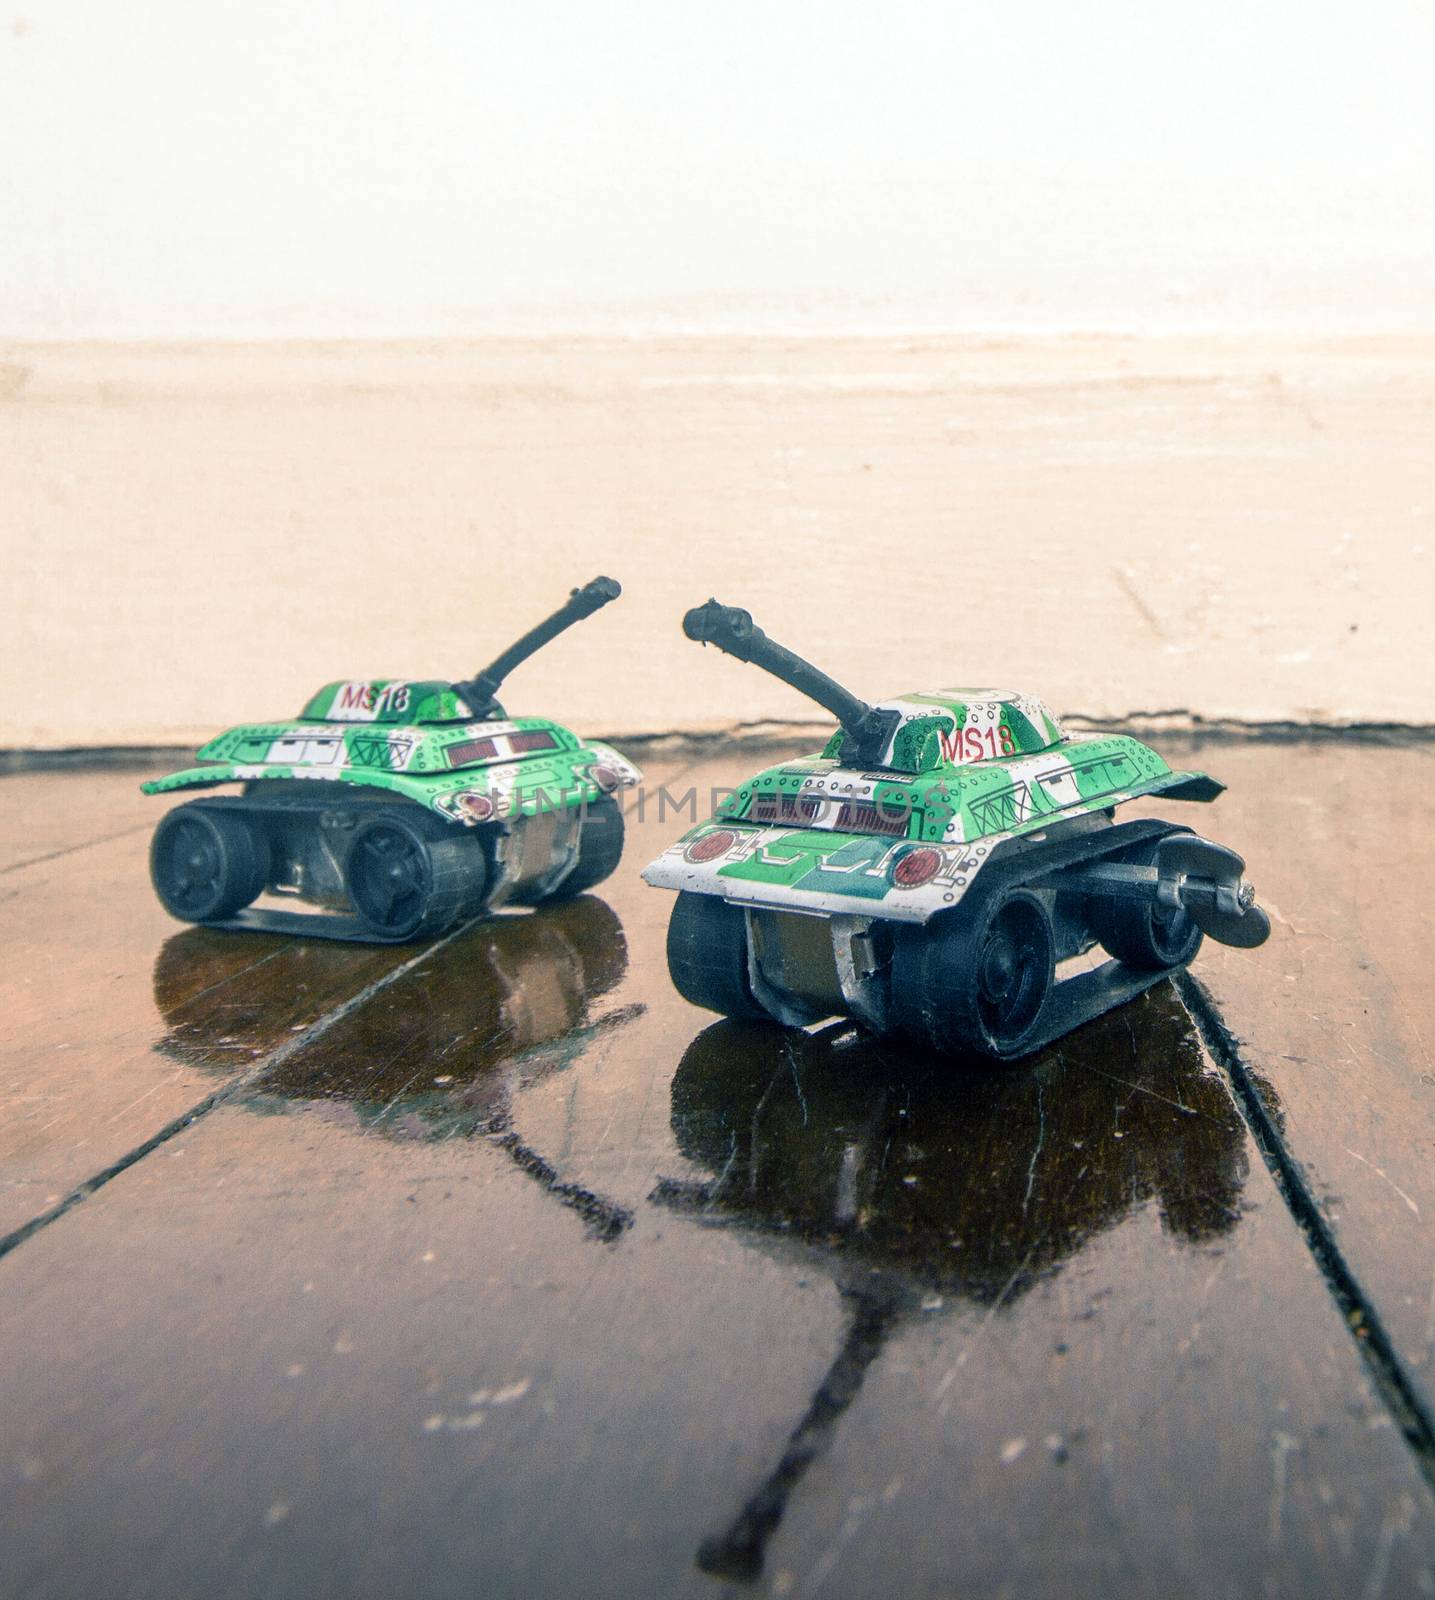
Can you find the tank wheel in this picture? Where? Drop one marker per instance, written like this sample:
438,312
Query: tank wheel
1146,936
600,848
976,979
707,956
207,863
412,879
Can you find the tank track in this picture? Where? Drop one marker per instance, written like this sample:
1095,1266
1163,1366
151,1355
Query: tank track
1053,865
1077,875
340,925
297,824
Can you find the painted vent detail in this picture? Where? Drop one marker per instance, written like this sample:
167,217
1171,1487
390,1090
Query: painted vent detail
471,750
810,811
861,816
522,742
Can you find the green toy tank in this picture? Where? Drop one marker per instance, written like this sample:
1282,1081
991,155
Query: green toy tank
401,806
929,868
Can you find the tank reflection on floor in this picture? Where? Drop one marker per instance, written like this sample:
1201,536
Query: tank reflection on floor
910,1181
442,1052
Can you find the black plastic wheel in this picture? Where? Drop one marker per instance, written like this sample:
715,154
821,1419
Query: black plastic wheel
207,863
977,978
1141,933
707,956
410,878
600,848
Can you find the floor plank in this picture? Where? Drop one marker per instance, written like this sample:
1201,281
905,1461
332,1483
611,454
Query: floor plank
525,1276
117,1019
1335,1014
44,814
89,1066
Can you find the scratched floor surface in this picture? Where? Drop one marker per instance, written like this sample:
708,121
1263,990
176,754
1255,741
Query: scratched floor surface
494,1268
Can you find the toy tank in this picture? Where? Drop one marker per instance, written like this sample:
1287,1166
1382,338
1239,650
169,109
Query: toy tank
926,872
400,806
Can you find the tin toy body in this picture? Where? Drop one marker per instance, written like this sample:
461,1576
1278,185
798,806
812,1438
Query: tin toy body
398,807
927,871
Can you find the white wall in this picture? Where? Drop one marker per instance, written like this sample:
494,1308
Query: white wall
203,534
275,168
197,533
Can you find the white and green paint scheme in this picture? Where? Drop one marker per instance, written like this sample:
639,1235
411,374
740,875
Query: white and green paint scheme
963,772
420,741
929,871
400,804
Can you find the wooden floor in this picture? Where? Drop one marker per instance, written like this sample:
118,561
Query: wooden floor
493,1268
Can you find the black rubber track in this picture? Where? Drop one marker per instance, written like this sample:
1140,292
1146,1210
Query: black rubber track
600,848
707,956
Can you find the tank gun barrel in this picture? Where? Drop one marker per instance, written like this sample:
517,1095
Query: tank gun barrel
732,630
481,691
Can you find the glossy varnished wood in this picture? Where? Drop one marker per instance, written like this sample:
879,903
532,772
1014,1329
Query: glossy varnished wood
523,1276
111,1031
1336,1014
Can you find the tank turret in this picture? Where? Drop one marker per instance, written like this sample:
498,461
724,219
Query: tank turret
481,691
731,629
